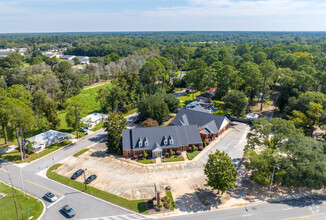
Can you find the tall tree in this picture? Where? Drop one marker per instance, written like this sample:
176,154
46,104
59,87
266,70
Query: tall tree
150,72
76,108
252,76
236,101
220,171
114,126
267,69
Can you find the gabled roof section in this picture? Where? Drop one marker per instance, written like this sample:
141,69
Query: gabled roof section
181,136
201,119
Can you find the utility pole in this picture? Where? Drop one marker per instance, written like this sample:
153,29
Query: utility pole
21,179
85,179
13,193
270,187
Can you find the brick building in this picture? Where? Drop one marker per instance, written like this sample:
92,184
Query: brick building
210,125
158,140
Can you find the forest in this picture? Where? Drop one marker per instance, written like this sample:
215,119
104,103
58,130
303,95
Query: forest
145,68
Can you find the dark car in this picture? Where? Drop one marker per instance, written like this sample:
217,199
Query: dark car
91,178
68,211
77,174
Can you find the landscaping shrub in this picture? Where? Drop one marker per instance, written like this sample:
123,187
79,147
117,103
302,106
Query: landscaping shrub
170,153
166,154
144,154
204,144
201,147
140,155
149,122
193,147
178,152
135,156
196,148
189,148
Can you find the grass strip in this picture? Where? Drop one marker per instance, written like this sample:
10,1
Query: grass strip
134,205
145,161
81,152
192,155
174,159
169,194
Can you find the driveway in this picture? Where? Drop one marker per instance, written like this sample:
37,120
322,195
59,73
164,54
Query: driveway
233,143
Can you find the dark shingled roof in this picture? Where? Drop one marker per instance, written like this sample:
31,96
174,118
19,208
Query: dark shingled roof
180,136
210,122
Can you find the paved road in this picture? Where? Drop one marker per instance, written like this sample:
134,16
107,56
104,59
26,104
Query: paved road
310,207
33,181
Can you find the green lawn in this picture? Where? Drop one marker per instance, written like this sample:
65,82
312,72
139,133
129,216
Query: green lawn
97,127
173,159
192,155
189,97
81,152
14,156
89,96
24,203
135,205
148,161
169,194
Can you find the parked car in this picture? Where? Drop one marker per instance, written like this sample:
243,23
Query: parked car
77,174
91,178
83,129
68,211
50,196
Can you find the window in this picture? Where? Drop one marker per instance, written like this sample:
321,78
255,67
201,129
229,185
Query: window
165,141
146,143
171,141
128,153
140,142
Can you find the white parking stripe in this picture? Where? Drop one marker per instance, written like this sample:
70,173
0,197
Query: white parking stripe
119,217
55,202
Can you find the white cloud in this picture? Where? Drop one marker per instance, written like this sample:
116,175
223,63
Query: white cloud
228,8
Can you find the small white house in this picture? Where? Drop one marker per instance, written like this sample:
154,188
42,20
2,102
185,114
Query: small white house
45,139
94,119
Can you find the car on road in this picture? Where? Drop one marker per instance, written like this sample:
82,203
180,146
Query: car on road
50,196
91,178
77,174
68,211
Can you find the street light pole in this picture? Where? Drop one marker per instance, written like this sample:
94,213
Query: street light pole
85,179
21,179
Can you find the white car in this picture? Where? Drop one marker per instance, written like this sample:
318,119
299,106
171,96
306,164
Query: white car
51,197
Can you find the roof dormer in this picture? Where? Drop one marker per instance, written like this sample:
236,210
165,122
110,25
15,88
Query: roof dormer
140,142
146,142
170,140
165,140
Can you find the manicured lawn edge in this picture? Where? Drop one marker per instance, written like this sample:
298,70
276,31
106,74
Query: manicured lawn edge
192,155
97,127
148,161
175,159
26,200
169,194
134,205
81,152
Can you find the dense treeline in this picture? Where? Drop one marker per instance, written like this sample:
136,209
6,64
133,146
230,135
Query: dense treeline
145,67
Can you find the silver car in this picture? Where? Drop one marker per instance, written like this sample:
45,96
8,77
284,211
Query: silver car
51,197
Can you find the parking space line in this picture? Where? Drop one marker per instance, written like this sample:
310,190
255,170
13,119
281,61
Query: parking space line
4,170
44,187
55,202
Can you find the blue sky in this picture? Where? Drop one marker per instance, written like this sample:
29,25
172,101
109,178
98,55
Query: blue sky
161,15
